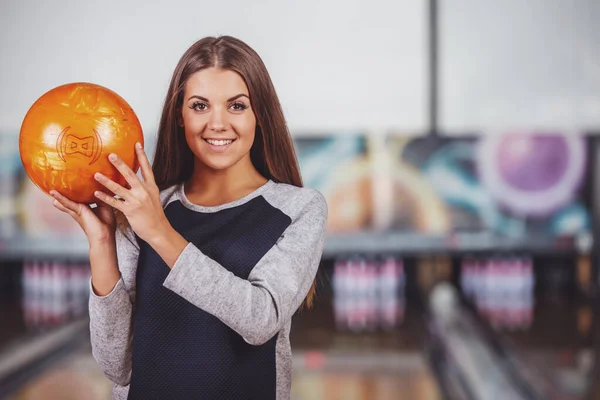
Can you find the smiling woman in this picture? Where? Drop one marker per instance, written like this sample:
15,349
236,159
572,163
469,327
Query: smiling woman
192,297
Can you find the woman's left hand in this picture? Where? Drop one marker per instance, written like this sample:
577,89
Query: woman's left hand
141,204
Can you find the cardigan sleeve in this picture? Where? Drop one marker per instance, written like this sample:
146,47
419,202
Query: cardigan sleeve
111,315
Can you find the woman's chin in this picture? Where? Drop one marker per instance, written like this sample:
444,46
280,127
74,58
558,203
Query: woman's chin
218,165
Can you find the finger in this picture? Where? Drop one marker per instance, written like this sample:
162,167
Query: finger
145,166
124,169
64,209
66,203
111,201
112,186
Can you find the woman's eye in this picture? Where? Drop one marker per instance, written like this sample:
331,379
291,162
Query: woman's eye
199,106
238,106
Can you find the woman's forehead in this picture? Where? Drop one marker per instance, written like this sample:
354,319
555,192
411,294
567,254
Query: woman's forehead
215,84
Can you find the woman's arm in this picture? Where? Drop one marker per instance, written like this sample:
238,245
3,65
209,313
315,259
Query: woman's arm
256,308
111,304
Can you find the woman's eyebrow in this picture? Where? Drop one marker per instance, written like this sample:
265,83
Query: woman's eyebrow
229,99
237,97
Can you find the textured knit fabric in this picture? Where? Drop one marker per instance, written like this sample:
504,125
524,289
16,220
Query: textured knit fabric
217,325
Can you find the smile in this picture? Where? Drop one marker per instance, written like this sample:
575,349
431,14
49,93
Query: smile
219,145
219,142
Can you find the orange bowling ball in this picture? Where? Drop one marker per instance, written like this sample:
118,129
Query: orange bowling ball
67,135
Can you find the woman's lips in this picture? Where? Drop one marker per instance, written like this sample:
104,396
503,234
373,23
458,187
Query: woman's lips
219,145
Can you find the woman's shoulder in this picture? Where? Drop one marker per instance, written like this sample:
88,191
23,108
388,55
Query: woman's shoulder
289,192
294,200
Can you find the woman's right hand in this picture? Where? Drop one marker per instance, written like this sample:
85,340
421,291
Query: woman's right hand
98,223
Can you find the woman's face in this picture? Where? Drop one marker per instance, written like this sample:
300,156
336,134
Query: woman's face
217,117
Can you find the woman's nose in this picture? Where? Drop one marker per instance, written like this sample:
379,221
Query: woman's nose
217,120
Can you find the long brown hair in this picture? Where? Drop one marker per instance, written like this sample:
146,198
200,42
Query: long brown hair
272,152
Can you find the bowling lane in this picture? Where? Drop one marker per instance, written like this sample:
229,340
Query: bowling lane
44,306
364,337
343,348
538,309
75,376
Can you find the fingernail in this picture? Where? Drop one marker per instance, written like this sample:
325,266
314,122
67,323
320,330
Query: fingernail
138,145
97,193
55,202
112,157
97,175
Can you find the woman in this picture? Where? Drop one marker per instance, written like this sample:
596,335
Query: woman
192,297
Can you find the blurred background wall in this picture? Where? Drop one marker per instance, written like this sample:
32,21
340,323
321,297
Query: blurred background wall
334,64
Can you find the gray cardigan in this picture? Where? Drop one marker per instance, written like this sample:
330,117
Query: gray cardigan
253,301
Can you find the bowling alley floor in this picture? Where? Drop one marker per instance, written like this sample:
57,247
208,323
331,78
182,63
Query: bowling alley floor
78,377
328,363
326,366
333,363
75,377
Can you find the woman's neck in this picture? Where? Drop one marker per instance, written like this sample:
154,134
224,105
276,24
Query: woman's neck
208,187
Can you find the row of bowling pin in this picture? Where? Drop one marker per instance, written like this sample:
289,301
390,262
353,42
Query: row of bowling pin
54,292
502,289
368,294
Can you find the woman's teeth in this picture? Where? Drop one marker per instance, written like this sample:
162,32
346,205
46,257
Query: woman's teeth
219,142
